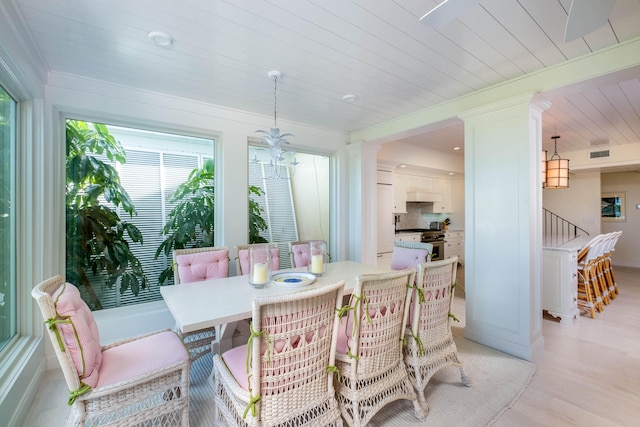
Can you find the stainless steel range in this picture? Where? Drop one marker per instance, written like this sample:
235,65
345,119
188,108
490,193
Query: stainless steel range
436,238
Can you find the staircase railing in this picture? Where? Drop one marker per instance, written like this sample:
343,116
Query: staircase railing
557,230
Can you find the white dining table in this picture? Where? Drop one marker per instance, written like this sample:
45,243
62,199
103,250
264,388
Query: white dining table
225,301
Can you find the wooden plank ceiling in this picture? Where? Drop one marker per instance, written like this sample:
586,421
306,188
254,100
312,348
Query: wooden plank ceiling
375,49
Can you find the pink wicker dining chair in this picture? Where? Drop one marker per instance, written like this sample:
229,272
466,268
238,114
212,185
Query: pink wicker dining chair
196,265
410,254
300,255
369,349
139,381
242,259
284,375
242,268
199,264
429,341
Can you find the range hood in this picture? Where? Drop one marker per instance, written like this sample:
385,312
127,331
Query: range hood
423,197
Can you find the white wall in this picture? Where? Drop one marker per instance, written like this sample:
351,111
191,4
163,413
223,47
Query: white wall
457,203
580,203
96,100
628,247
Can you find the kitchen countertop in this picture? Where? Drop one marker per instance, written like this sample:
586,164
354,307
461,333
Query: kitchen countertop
416,231
570,246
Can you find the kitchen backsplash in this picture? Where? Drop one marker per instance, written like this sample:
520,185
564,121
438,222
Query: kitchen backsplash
414,218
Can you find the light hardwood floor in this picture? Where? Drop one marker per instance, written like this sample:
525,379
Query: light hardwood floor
589,371
587,375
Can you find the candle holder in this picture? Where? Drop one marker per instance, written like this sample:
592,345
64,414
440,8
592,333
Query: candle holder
259,265
317,257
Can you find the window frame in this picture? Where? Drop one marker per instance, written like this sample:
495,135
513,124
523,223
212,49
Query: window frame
22,361
334,242
12,299
61,115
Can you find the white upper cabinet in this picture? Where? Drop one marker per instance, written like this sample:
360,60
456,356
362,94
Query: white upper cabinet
442,186
400,193
422,184
385,177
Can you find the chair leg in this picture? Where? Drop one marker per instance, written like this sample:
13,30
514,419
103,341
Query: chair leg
594,287
610,279
601,282
613,280
421,409
584,294
422,400
465,379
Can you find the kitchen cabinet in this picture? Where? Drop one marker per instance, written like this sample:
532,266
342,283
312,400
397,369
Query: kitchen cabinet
384,260
399,193
441,186
385,224
385,177
423,184
418,183
560,283
454,244
409,237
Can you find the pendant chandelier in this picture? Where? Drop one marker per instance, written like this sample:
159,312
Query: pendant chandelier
276,140
557,169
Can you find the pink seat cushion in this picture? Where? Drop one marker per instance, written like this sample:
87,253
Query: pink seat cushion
235,359
141,357
300,255
81,336
402,258
243,256
345,332
203,265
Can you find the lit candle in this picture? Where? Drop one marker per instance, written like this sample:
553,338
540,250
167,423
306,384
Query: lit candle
317,262
260,273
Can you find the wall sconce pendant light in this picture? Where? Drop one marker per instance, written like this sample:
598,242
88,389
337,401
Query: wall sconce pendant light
557,169
276,140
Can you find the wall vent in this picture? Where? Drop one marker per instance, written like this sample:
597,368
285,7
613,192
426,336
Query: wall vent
598,154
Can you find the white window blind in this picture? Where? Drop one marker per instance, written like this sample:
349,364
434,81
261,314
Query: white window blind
150,176
279,211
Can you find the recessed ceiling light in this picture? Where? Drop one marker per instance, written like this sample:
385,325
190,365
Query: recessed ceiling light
160,38
349,98
403,166
450,173
456,148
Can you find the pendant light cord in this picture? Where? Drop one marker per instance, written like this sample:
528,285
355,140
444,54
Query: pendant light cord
555,147
275,101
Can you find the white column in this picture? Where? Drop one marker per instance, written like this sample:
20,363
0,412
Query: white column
503,242
362,202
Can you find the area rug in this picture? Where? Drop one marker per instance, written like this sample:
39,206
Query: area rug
497,380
